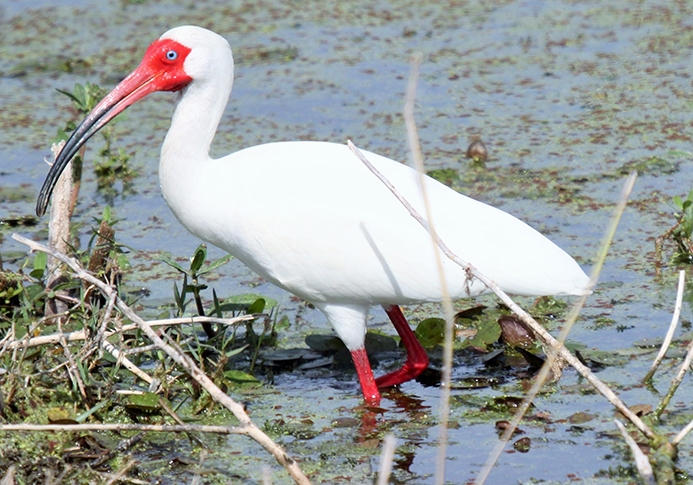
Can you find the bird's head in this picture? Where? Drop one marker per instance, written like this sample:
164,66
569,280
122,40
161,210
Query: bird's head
181,56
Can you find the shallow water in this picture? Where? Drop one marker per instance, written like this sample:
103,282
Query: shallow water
565,94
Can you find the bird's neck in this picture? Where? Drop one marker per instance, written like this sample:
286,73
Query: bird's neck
194,123
185,152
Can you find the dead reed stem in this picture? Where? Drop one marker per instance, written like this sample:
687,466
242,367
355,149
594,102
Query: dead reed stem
446,376
59,233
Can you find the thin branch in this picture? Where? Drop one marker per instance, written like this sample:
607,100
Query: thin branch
105,319
72,370
161,428
82,335
672,327
125,362
682,434
676,381
249,428
641,461
121,472
8,478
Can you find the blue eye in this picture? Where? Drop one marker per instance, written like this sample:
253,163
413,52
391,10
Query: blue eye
171,55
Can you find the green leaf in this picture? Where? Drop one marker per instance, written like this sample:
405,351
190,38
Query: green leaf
282,324
195,288
74,98
679,153
376,342
241,378
430,332
173,265
60,415
178,298
198,258
323,342
83,417
147,401
123,261
61,135
488,332
40,261
243,301
216,264
258,306
237,351
217,307
605,357
80,96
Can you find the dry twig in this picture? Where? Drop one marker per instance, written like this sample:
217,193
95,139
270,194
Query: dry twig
121,472
641,461
78,335
676,381
682,434
672,327
161,428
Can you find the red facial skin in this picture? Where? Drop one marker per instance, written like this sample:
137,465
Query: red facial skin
161,69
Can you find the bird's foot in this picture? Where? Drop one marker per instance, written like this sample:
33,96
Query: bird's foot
411,369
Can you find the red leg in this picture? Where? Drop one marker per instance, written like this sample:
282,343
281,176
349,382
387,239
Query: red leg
363,369
417,358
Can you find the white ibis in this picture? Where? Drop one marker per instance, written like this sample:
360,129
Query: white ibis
310,217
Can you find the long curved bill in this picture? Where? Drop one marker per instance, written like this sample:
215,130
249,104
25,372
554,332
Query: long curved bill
134,87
